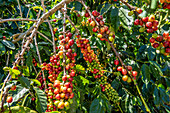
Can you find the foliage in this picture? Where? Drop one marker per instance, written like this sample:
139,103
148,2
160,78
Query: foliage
133,46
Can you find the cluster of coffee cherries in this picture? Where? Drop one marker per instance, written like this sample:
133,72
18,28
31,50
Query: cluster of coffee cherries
95,68
165,4
124,72
41,80
60,91
148,23
161,43
100,30
34,62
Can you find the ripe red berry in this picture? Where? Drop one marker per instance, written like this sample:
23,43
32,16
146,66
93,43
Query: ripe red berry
134,73
136,22
145,19
165,43
152,40
167,50
129,68
64,78
4,37
139,10
9,99
78,15
116,62
155,45
119,68
155,23
124,71
159,38
149,24
165,35
87,14
54,20
95,13
13,87
150,30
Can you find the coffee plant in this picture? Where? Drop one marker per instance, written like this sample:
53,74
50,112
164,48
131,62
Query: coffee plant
85,56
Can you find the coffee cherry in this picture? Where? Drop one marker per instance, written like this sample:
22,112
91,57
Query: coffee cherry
13,87
152,40
99,35
119,68
136,22
155,23
165,35
159,38
134,73
145,19
129,68
94,13
124,71
64,78
139,10
150,30
167,50
155,45
87,14
151,18
78,15
125,78
165,43
92,23
149,24
9,99
116,62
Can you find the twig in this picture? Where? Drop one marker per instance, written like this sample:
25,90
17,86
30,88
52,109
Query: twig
23,19
38,53
44,36
51,29
20,11
8,58
23,34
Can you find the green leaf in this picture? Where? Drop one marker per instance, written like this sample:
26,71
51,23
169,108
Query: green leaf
8,44
125,19
157,66
41,100
146,73
20,93
154,71
164,95
24,82
36,81
29,59
20,109
114,17
84,80
6,68
80,68
105,8
153,4
151,53
97,106
2,49
156,96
